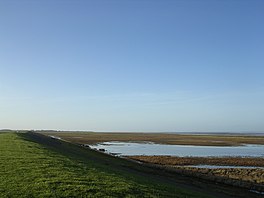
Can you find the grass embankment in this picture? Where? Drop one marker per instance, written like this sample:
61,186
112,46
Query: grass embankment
160,138
32,165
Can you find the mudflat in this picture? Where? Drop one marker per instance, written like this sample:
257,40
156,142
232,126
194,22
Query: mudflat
251,178
221,161
160,138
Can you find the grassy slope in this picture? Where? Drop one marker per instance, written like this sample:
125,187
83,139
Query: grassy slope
32,166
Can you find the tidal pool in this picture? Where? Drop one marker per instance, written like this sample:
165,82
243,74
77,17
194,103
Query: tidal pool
148,148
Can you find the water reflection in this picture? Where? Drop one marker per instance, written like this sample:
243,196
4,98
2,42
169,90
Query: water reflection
147,148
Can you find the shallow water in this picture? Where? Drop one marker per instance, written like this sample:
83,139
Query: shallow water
147,148
55,137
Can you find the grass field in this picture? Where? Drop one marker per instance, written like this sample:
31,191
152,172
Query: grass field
161,138
36,166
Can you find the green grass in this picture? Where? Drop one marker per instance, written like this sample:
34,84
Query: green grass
32,167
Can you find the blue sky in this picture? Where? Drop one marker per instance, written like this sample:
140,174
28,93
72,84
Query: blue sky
136,65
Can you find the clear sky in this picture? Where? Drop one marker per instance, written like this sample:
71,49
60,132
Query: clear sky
132,65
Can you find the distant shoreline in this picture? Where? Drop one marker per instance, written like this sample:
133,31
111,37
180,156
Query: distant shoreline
139,132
